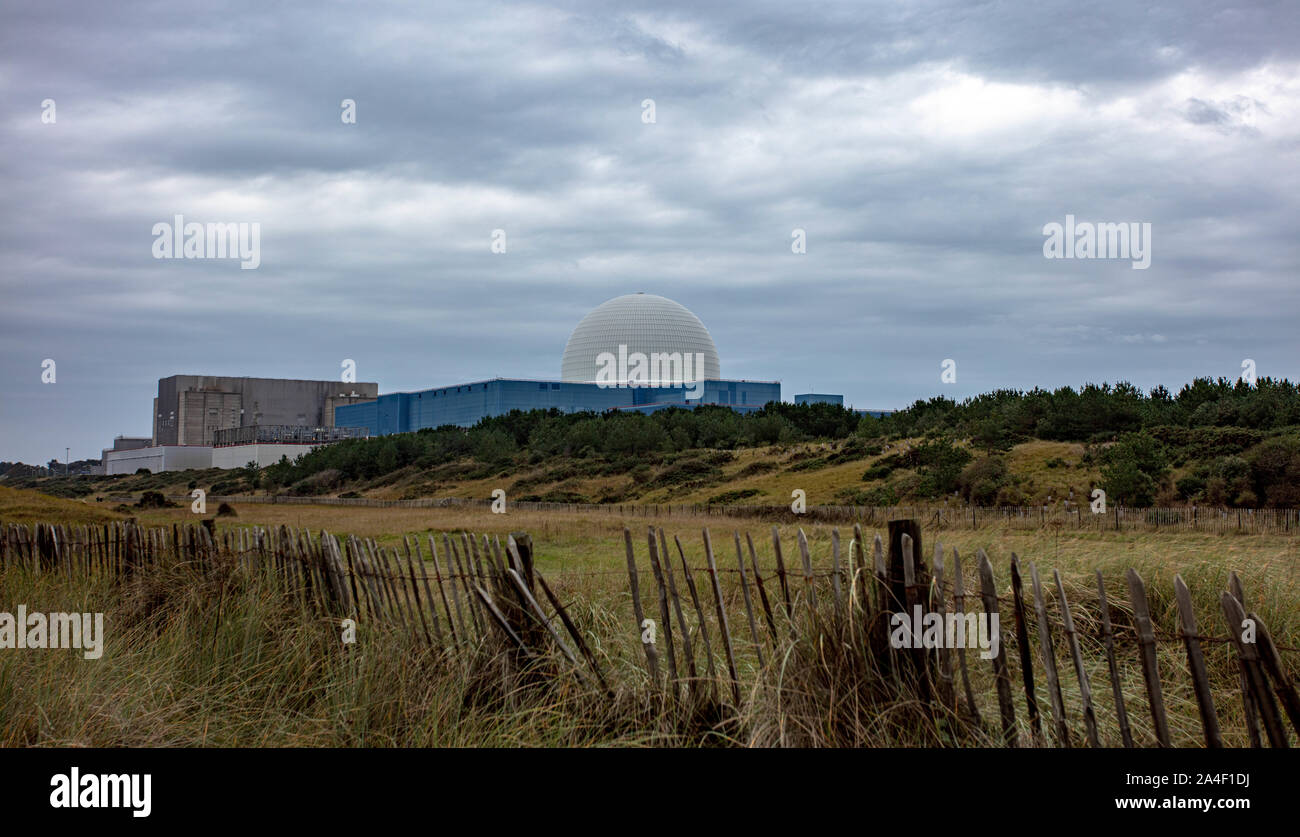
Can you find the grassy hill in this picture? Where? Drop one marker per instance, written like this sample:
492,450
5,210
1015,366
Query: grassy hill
829,472
27,507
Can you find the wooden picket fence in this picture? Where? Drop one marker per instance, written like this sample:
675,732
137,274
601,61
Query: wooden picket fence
473,590
482,586
866,593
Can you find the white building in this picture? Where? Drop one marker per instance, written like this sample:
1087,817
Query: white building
158,459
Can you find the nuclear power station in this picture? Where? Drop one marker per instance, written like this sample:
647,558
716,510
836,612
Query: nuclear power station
637,352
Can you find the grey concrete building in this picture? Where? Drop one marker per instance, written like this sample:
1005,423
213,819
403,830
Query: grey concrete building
190,409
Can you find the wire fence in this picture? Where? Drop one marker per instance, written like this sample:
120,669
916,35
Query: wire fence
1064,516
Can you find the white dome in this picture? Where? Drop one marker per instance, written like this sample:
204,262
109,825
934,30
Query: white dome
643,323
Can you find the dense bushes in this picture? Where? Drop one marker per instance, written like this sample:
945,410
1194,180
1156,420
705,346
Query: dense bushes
1275,471
996,419
1267,474
1133,469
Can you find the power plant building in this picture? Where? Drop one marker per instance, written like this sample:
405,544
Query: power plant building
191,409
207,421
638,352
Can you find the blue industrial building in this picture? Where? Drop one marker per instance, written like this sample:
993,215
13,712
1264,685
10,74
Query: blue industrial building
465,404
819,398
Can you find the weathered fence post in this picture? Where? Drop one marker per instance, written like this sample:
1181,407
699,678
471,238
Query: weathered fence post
688,650
651,653
699,613
959,603
780,573
1196,664
762,591
1108,642
990,596
664,616
915,614
1249,704
939,604
1235,616
1147,641
897,582
1085,687
1049,659
723,627
749,604
1026,653
1272,663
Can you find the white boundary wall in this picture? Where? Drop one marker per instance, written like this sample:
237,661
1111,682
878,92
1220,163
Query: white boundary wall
159,459
237,456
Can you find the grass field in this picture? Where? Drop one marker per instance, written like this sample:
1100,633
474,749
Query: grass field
223,667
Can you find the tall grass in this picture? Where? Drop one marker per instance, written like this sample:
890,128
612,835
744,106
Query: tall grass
225,658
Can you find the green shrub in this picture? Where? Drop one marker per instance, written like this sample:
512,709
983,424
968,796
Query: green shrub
940,467
879,471
154,500
685,471
727,498
1190,487
753,469
1133,469
982,481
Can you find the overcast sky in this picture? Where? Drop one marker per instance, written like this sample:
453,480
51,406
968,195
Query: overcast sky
921,146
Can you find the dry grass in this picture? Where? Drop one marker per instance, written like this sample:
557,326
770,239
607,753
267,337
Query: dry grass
23,506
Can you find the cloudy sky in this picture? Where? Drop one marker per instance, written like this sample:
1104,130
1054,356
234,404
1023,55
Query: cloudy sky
921,146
